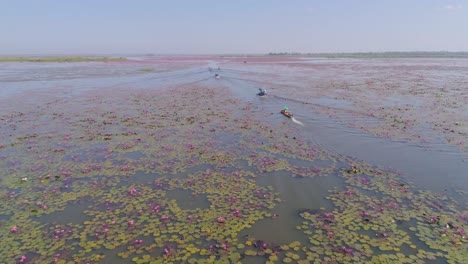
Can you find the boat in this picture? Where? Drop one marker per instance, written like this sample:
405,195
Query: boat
262,92
285,113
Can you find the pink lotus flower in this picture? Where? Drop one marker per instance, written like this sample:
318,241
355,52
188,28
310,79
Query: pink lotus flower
364,214
236,213
315,170
463,216
156,209
346,250
57,258
131,223
14,229
232,199
168,250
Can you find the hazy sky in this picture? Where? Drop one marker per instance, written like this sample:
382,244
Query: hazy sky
231,26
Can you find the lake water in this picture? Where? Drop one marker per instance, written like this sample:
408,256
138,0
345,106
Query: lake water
154,160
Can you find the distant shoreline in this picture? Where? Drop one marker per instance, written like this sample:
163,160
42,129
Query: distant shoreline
60,59
350,55
416,54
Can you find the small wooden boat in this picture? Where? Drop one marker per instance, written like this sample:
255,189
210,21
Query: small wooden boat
286,113
262,92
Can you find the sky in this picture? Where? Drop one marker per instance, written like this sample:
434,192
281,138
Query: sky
231,26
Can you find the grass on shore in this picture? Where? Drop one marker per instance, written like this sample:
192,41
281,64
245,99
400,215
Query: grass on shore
59,59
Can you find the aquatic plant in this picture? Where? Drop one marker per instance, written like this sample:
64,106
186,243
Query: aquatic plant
121,164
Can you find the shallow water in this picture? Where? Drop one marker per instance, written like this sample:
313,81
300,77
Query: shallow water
113,154
434,165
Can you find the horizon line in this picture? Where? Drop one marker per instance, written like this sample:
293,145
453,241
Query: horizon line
273,53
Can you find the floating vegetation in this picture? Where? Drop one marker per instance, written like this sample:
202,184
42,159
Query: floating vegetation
124,169
146,69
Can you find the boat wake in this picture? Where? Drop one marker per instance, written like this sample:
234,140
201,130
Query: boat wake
297,121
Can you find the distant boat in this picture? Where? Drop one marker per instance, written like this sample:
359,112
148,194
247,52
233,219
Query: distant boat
262,92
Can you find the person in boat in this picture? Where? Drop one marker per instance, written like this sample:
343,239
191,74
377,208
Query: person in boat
285,111
262,91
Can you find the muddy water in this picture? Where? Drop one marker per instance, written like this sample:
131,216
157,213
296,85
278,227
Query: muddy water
130,156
